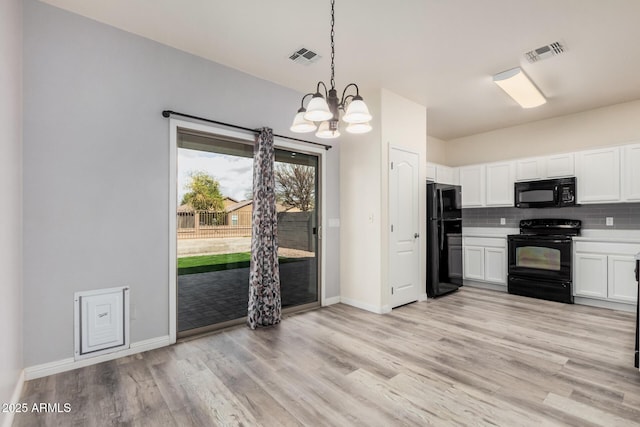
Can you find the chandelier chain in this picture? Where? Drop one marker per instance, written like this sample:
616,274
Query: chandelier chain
333,50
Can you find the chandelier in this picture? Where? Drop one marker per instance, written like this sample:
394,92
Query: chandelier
323,112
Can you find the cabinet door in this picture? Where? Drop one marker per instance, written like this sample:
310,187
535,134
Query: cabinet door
444,175
499,184
495,265
590,275
431,172
530,169
472,182
560,165
473,263
631,173
622,279
598,177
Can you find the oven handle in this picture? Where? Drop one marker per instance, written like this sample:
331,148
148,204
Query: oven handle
519,239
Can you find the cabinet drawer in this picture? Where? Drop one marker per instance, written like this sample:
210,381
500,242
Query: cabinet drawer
609,248
493,242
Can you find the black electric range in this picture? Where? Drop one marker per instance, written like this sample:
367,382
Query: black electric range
540,259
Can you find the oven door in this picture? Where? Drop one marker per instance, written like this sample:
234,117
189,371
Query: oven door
544,257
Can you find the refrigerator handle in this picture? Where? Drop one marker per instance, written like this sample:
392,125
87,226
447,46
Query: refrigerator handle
441,206
441,225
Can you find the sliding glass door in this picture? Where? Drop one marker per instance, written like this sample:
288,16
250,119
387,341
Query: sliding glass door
214,229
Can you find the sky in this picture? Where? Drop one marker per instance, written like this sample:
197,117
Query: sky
235,174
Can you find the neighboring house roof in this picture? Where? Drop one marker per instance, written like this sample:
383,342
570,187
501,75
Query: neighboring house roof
185,208
237,206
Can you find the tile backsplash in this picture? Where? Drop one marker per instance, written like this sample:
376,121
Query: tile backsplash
626,216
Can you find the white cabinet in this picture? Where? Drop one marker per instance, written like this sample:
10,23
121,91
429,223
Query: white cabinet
605,270
473,186
631,173
530,169
446,175
598,175
499,184
495,265
485,259
431,171
622,285
487,185
590,275
473,262
560,165
555,166
442,174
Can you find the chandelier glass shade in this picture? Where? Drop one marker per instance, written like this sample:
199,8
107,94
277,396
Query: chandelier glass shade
322,112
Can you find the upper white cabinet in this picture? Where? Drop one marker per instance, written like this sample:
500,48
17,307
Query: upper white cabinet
499,184
631,173
598,175
487,185
556,166
560,165
473,186
442,174
530,169
431,171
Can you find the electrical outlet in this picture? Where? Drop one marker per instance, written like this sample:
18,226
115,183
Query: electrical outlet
503,221
609,221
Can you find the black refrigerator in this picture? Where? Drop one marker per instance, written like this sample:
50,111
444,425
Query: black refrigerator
444,239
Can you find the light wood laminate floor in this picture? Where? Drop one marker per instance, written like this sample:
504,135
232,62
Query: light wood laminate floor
475,357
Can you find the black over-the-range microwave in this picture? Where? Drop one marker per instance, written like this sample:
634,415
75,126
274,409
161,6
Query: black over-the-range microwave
548,193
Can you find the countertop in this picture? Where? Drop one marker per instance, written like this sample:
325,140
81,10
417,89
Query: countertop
586,235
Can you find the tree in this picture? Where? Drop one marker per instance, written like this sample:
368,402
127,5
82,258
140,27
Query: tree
204,193
295,185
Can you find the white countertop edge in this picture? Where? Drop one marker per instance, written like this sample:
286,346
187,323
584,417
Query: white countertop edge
609,235
488,231
600,235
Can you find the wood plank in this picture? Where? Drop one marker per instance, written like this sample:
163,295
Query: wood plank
475,357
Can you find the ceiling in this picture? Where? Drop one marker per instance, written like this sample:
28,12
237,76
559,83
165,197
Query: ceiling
439,53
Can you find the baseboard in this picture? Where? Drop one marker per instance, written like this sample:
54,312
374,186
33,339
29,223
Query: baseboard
422,297
51,368
331,301
363,306
386,309
15,398
483,285
604,304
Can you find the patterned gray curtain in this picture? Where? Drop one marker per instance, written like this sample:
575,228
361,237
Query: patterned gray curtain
264,274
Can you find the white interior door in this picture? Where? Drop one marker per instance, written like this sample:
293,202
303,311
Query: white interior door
404,251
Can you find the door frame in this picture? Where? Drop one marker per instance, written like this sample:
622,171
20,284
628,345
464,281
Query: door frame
174,124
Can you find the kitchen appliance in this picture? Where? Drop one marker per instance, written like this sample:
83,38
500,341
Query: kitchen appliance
548,193
637,305
444,238
540,259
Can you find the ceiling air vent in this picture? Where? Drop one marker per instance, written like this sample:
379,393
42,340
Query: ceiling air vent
304,56
544,52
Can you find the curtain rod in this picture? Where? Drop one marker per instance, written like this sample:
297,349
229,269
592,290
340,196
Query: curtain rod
169,113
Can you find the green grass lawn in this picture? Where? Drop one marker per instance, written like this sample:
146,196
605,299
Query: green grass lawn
207,263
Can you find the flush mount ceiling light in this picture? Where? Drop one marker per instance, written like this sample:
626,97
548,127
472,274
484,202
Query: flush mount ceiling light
323,112
518,86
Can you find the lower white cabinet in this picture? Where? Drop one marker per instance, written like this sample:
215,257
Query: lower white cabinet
485,259
605,270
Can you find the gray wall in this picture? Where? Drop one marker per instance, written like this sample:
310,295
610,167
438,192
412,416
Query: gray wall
626,216
96,147
10,199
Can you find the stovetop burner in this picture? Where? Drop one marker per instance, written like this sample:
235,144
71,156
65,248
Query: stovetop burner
550,227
